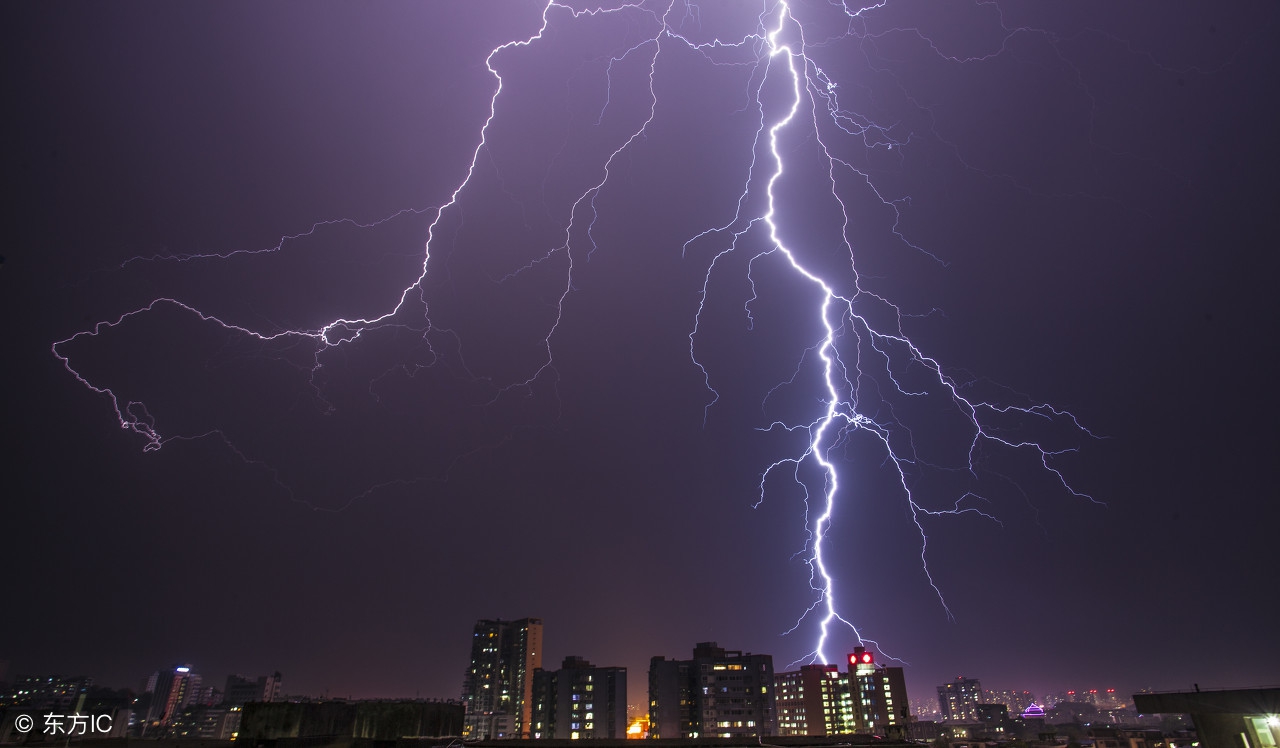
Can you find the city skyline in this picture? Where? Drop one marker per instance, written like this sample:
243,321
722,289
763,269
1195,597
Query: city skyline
719,693
1066,200
923,700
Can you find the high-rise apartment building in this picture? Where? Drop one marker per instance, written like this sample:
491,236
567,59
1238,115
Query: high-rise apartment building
819,700
497,692
671,691
718,693
959,700
879,694
172,689
814,701
580,701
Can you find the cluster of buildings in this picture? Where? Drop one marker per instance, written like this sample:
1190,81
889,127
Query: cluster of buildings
717,694
175,703
964,701
721,693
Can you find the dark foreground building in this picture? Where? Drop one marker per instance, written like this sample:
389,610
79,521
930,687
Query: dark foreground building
1247,718
580,701
719,693
345,723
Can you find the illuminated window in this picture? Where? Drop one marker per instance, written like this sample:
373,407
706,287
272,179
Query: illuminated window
1263,738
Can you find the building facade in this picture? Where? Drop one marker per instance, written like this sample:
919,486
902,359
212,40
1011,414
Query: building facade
671,705
879,694
958,700
580,701
497,691
718,693
814,701
241,690
818,700
172,690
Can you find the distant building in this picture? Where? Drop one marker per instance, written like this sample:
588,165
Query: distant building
241,690
994,718
172,690
497,691
718,693
49,692
1112,737
580,701
958,701
924,731
1017,701
211,722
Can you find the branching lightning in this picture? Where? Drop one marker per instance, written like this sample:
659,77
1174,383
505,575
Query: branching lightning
861,355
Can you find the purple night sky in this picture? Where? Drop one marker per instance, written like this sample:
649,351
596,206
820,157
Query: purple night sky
1068,202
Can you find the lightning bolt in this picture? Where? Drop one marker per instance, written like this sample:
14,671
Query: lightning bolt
866,366
811,90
